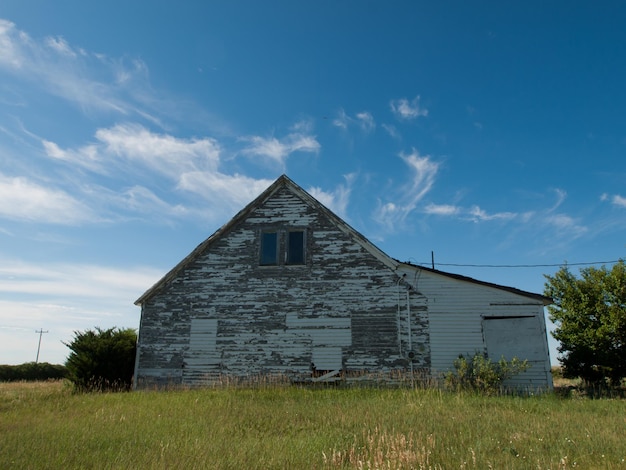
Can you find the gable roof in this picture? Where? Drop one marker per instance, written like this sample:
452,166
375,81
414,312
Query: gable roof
282,182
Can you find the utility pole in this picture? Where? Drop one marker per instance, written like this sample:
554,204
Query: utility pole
41,332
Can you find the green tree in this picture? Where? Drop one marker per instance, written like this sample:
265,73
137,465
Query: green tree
102,360
590,317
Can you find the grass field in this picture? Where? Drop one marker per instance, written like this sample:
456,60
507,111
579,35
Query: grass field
45,425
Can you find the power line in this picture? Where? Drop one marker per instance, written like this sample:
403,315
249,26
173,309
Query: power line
521,265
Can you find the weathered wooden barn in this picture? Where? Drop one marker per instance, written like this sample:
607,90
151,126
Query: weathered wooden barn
287,287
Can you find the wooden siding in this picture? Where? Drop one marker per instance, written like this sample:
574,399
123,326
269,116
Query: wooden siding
223,314
456,311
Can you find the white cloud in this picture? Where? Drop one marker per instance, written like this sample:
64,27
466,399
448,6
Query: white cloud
565,224
279,150
561,195
63,298
10,39
86,157
191,164
364,120
616,199
73,280
132,146
60,45
304,126
479,215
442,209
619,200
338,199
91,81
424,171
473,213
143,201
133,153
391,130
23,199
405,109
165,154
342,120
233,191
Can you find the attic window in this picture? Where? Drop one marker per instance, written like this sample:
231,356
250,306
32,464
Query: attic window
269,248
295,247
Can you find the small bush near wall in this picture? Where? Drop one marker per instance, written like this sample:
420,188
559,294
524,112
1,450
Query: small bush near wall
32,371
479,373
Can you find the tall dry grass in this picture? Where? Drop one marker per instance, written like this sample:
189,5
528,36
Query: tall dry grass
279,426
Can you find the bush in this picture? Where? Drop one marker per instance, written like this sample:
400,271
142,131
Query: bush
590,317
102,360
32,371
480,374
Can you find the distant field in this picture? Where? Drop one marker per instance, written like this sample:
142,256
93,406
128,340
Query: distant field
44,425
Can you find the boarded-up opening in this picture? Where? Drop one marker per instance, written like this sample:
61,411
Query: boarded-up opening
325,359
520,337
201,355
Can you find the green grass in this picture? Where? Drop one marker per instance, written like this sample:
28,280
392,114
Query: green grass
45,425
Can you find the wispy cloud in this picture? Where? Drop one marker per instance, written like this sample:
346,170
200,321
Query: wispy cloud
65,280
86,157
550,225
479,215
342,119
423,173
405,109
60,45
474,213
442,209
364,120
62,298
616,199
133,153
619,200
11,41
278,150
25,200
338,199
165,154
233,191
391,130
566,223
91,81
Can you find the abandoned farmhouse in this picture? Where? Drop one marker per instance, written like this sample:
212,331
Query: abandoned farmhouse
288,288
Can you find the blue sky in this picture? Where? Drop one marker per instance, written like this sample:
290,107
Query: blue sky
489,133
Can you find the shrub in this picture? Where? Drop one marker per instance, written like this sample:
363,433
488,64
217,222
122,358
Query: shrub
590,317
102,360
31,371
481,374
